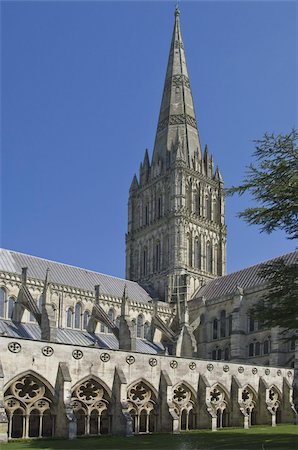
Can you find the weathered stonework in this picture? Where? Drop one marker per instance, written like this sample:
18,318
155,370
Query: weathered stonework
83,353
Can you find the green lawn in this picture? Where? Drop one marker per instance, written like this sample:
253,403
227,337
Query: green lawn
283,437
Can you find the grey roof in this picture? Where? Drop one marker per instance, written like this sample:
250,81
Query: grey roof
72,276
246,278
31,331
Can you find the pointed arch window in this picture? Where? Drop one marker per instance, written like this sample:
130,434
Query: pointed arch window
208,206
2,302
159,207
147,330
157,256
223,324
86,318
197,201
145,261
78,315
209,257
266,347
190,261
215,329
197,253
10,307
189,197
140,326
69,318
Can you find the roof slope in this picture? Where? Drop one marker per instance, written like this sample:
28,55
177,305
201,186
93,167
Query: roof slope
31,331
245,278
72,276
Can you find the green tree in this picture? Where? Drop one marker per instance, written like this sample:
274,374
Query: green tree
272,182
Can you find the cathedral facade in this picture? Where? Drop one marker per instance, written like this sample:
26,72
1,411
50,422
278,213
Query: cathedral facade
170,348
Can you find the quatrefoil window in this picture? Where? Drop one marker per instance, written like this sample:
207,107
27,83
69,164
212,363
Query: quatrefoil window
273,395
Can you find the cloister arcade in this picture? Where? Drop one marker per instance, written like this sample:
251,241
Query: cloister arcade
142,406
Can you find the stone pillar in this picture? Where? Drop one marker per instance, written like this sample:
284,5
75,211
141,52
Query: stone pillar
66,424
169,421
3,416
122,421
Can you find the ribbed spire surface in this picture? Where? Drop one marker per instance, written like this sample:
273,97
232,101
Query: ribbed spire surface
177,112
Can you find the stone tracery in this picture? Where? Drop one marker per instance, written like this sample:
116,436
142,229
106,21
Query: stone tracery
142,407
184,402
91,407
28,403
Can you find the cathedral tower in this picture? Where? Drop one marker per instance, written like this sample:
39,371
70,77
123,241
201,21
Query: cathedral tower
176,237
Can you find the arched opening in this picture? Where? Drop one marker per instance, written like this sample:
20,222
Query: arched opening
34,423
28,404
140,326
2,302
219,403
142,406
80,414
16,424
86,318
209,261
69,318
91,404
222,324
11,302
147,329
184,401
78,315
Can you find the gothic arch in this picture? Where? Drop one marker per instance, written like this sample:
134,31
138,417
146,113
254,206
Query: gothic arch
28,401
95,378
142,399
219,400
91,404
30,372
185,401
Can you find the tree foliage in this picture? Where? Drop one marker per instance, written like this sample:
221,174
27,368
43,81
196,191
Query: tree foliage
278,306
272,182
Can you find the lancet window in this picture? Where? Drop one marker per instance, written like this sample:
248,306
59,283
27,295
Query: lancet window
140,326
184,402
209,261
10,306
91,404
2,302
28,404
86,318
69,318
142,407
78,316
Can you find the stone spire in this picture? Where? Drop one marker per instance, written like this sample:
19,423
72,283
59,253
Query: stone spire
177,110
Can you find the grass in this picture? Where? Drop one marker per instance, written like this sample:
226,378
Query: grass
282,437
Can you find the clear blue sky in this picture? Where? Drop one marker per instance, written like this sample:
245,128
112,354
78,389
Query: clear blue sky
81,90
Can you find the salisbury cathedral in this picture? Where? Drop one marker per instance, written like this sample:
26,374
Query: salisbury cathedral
170,348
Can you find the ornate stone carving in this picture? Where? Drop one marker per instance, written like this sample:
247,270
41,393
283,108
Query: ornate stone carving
130,359
152,362
77,354
14,347
174,364
192,365
105,357
47,351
